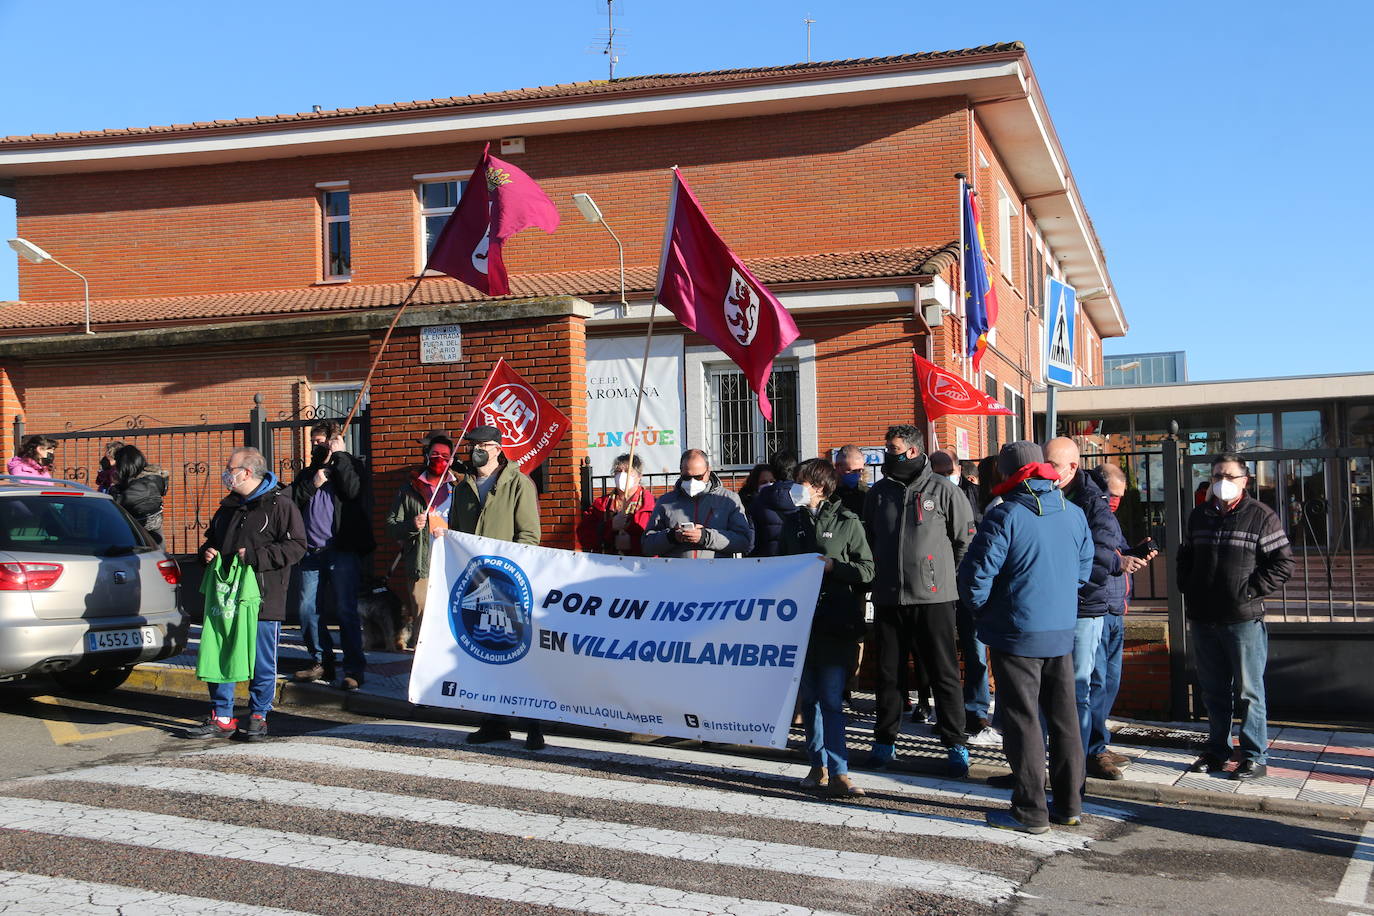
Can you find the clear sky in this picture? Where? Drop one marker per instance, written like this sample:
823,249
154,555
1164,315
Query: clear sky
1220,145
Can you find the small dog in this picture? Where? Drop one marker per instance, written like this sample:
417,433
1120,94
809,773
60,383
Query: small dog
379,610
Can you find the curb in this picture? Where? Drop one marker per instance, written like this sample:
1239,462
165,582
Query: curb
182,682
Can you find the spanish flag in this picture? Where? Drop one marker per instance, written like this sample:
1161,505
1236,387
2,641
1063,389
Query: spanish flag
980,297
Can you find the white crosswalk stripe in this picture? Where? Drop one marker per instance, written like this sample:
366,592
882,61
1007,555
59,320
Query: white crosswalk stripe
40,895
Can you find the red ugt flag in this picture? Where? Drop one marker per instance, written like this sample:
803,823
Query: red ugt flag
490,211
530,425
944,392
708,288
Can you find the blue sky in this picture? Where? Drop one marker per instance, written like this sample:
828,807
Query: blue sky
1218,145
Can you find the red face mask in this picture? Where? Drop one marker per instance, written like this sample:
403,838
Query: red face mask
438,463
1113,502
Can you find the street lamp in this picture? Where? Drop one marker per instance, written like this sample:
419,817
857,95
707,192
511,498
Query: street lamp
592,214
31,252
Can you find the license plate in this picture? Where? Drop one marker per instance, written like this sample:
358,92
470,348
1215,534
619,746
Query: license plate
137,638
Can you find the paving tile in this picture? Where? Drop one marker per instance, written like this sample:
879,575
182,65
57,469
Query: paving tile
1337,776
1351,762
1261,788
1362,740
1329,798
1206,783
1305,736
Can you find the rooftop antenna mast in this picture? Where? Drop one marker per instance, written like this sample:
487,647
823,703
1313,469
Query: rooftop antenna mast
611,57
809,22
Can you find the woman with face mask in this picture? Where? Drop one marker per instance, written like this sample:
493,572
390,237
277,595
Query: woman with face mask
35,457
614,523
428,495
824,527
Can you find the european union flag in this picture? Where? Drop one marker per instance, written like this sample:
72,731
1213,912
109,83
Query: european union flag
980,298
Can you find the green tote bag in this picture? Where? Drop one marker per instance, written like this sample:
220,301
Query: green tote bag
229,635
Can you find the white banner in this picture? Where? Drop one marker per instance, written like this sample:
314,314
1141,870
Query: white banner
659,647
613,366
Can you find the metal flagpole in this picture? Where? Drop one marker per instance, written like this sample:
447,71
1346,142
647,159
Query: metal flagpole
653,311
386,338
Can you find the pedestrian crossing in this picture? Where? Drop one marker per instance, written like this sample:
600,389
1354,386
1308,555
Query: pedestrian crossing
382,814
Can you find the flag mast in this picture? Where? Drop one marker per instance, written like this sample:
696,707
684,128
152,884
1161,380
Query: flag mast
653,311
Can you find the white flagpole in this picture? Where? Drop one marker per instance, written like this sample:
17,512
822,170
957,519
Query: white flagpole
653,311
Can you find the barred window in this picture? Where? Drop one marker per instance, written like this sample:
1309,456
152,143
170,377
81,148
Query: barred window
994,441
739,437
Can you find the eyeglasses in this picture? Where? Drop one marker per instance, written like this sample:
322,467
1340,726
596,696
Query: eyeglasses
1230,476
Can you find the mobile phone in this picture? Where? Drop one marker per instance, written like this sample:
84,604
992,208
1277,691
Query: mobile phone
1144,548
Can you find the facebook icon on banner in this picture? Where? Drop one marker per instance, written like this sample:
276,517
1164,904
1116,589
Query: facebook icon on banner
1061,323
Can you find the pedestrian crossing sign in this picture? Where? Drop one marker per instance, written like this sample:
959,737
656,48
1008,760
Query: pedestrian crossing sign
1061,321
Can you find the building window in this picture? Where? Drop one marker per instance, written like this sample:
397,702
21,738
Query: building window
739,436
338,252
1005,212
994,441
1016,424
437,201
333,402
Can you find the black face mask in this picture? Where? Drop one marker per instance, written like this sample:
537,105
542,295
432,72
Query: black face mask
891,461
318,455
480,457
46,462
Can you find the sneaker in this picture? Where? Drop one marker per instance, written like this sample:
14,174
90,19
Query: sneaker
958,761
882,755
923,715
1099,767
1248,769
352,682
255,729
843,787
1005,820
213,727
534,740
987,737
817,778
1066,820
487,734
1207,763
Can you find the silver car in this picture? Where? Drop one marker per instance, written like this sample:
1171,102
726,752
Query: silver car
85,592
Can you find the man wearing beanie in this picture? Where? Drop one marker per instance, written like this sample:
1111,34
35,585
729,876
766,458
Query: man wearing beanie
1020,579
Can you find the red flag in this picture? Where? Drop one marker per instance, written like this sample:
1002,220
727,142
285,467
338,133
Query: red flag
530,425
708,288
490,211
944,393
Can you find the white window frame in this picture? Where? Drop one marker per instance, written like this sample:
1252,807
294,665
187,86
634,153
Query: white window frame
325,188
1006,213
423,212
316,389
1011,398
698,363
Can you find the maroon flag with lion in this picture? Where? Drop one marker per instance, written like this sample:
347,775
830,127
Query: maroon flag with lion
708,288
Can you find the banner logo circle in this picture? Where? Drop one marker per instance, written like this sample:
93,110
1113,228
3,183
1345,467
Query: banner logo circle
513,409
490,610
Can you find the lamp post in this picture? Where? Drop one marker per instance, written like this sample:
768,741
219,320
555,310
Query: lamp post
592,214
31,252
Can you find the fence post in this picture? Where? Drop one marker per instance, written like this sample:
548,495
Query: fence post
256,434
1179,707
585,469
18,431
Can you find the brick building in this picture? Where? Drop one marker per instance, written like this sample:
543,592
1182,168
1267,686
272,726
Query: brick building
265,256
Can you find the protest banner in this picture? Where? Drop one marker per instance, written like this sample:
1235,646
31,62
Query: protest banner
647,645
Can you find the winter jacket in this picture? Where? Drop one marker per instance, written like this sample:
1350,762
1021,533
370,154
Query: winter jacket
919,530
970,491
269,526
1119,585
594,532
1229,561
400,524
1021,575
1083,492
852,498
725,528
511,512
766,513
20,466
352,525
833,532
142,497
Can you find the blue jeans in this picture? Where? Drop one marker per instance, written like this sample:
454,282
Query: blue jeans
1106,680
821,694
977,694
264,683
342,568
1230,660
1087,634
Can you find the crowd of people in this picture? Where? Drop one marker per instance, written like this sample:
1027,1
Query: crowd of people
1012,572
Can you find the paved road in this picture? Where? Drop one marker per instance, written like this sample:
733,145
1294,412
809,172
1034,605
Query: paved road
368,817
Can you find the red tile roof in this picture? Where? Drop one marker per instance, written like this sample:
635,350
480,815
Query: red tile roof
23,318
656,83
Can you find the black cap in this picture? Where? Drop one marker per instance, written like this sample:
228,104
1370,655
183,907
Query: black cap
1016,455
483,434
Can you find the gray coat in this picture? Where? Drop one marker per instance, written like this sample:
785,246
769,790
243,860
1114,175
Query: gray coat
725,527
919,533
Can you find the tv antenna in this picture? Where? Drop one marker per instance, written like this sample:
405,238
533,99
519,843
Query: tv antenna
610,48
808,21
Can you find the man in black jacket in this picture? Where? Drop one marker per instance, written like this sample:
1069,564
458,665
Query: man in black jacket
330,495
260,524
1234,553
919,525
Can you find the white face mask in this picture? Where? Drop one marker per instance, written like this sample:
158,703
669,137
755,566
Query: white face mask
694,487
1225,490
800,497
623,481
953,478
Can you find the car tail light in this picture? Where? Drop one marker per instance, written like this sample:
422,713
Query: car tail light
28,577
170,571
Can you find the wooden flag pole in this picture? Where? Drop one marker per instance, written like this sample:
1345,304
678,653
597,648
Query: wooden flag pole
386,339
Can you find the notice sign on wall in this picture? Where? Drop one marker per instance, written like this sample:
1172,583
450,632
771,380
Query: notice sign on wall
613,366
442,343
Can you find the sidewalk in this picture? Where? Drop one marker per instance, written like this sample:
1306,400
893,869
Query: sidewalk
1312,771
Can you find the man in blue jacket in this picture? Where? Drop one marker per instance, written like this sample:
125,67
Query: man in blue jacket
1020,580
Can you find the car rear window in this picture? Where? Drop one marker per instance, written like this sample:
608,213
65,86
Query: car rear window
74,525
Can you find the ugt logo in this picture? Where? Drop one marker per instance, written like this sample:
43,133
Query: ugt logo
509,410
491,609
